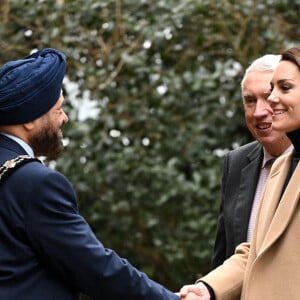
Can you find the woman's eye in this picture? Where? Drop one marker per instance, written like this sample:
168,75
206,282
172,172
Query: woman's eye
285,87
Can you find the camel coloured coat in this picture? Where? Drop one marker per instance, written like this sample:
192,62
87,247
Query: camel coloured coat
269,268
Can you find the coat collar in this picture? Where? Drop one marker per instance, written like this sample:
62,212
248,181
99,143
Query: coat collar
9,149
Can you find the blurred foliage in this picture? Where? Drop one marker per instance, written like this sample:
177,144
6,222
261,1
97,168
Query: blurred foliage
153,95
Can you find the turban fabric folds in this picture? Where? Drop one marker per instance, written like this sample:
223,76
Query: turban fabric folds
29,87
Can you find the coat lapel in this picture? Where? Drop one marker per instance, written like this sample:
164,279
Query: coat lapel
275,216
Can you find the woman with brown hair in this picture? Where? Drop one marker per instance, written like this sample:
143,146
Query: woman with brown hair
268,268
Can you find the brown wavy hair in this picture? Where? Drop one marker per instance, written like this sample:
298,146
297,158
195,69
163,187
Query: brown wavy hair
292,55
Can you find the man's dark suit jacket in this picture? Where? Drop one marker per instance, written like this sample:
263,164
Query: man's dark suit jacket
240,176
48,251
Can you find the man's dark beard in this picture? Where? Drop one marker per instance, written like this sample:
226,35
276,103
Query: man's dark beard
47,142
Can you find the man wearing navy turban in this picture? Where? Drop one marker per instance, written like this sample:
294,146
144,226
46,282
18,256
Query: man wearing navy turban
47,250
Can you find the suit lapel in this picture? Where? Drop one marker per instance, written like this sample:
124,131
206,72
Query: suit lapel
246,194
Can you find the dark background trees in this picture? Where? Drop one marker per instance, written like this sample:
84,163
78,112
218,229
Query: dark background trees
153,95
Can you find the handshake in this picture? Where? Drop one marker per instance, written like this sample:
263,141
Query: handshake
197,291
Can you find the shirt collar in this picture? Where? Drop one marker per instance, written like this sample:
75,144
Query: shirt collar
268,156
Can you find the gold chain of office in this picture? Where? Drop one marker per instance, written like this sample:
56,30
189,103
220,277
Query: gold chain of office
10,165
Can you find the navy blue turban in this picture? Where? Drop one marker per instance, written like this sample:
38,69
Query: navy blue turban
29,87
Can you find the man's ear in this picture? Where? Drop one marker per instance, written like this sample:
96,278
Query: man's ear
28,126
